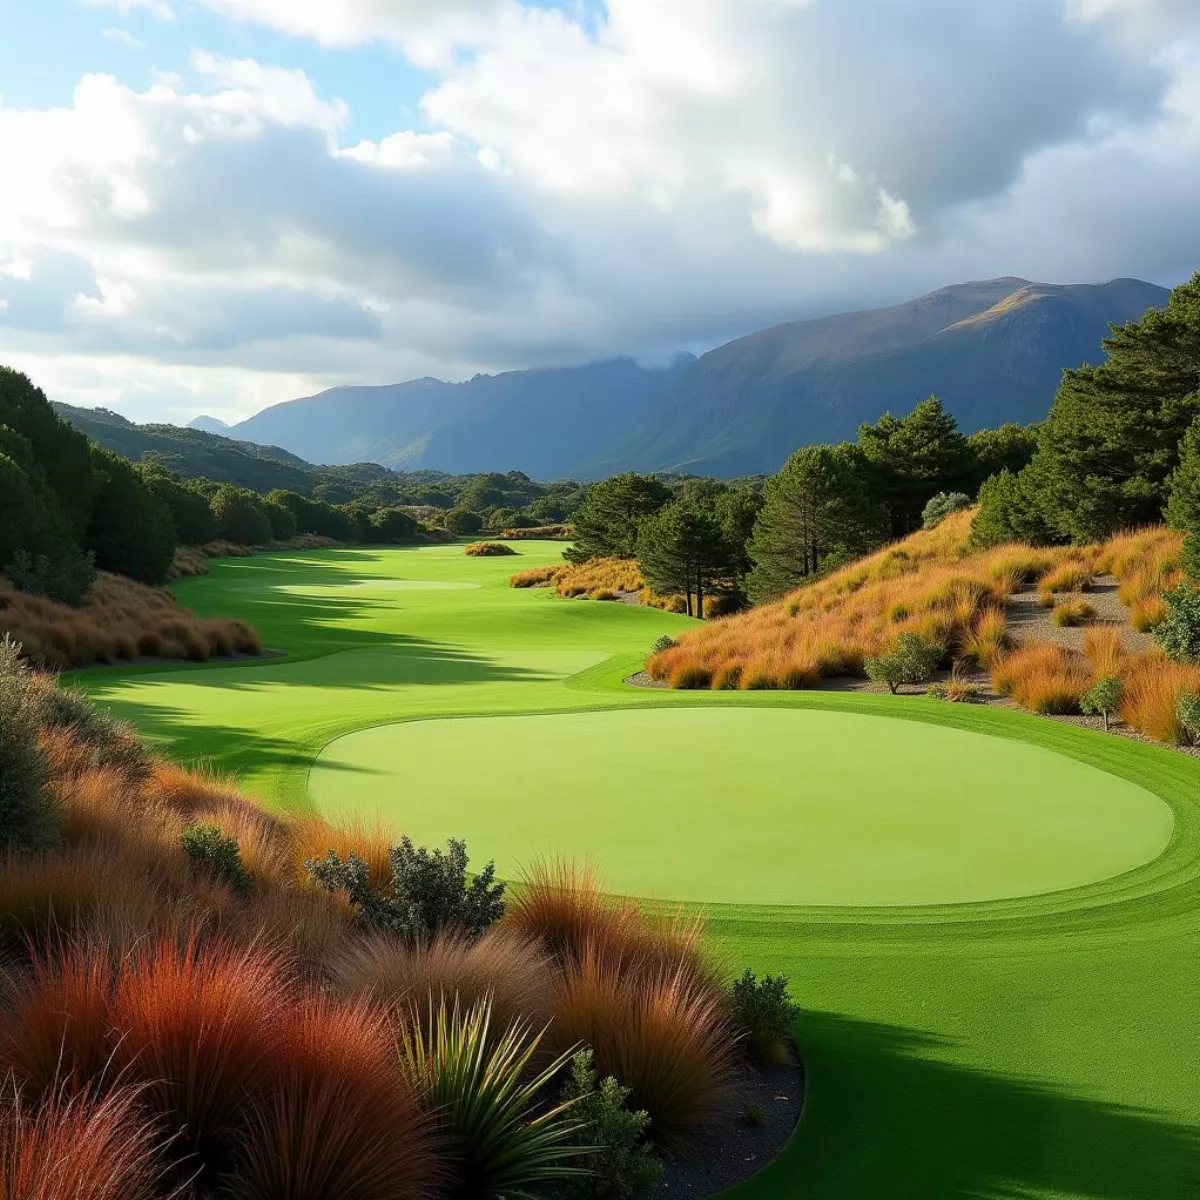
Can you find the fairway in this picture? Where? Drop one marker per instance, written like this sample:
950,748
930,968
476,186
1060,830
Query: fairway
1039,1041
753,806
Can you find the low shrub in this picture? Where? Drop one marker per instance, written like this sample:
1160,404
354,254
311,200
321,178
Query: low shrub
79,1147
483,1092
1103,698
428,892
664,641
1073,612
621,1164
764,1012
487,549
939,507
209,850
911,661
371,842
1187,709
1178,633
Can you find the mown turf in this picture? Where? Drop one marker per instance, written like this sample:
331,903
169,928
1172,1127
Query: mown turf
765,806
1039,1047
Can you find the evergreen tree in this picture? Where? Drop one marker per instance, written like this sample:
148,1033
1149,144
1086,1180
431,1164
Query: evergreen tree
819,509
681,550
130,532
607,522
190,511
1111,440
282,521
914,458
240,517
392,525
1010,511
1183,500
1007,448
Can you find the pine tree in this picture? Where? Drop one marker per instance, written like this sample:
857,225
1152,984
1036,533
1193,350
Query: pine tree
1183,502
681,550
606,525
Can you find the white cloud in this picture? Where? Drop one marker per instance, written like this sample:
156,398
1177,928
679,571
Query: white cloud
156,8
123,38
676,173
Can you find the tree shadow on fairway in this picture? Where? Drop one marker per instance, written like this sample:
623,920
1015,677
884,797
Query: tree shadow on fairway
887,1118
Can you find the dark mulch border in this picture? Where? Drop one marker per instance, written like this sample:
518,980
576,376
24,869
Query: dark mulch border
729,1150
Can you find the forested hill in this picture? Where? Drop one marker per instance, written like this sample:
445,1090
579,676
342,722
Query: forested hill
993,352
194,453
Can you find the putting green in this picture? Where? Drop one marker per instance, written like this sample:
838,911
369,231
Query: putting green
1041,1046
767,807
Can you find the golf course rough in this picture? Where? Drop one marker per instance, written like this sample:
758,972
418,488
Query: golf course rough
1040,1040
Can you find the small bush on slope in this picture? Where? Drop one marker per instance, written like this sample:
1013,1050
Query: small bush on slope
912,661
209,850
104,741
939,507
428,892
29,819
1179,631
1103,698
622,1165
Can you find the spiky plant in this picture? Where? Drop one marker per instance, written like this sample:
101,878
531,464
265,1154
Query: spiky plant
486,1099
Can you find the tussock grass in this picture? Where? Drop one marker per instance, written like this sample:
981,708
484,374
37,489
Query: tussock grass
487,549
118,621
538,576
1073,612
607,578
544,533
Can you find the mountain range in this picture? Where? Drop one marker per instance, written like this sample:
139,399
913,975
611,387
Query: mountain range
992,350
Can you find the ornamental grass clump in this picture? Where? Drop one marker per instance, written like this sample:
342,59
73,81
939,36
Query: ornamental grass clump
428,891
487,549
1073,612
484,1090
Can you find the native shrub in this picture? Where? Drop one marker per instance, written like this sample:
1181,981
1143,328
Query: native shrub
621,1163
428,892
1103,698
1188,711
66,580
765,1013
938,508
29,818
1179,632
210,850
911,661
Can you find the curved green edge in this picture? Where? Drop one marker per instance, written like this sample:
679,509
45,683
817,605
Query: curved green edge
1041,1047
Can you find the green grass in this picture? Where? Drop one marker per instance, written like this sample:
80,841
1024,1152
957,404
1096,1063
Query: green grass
1039,1046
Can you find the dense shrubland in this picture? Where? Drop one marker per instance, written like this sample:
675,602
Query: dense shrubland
198,992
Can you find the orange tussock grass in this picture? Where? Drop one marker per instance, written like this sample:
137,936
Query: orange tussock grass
565,908
515,970
1145,562
538,576
930,583
1104,649
1043,678
315,837
75,1147
119,619
1075,575
1147,613
198,1026
1073,612
1153,687
309,924
986,638
662,1034
487,549
338,1120
620,576
54,1027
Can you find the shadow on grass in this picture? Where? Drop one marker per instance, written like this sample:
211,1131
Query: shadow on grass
887,1119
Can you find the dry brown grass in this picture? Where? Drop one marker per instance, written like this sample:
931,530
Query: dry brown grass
314,837
1073,612
538,576
607,578
487,549
546,533
120,620
516,971
1153,687
1043,678
1075,575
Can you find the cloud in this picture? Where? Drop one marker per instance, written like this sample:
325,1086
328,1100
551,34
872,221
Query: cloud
122,38
156,8
661,174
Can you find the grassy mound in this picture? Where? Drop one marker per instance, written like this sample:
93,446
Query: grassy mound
487,549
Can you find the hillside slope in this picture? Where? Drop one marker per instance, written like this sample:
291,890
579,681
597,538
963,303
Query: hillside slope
992,350
542,422
194,452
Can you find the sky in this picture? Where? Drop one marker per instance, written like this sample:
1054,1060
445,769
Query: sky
210,206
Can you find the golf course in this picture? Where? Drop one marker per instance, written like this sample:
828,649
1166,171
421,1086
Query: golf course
991,920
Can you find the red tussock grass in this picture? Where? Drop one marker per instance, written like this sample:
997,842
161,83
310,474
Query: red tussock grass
663,1034
1147,613
1153,687
487,549
309,924
338,1119
986,638
515,970
538,576
54,1027
199,1027
620,576
1075,575
1043,678
1145,562
75,1147
119,619
1104,649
